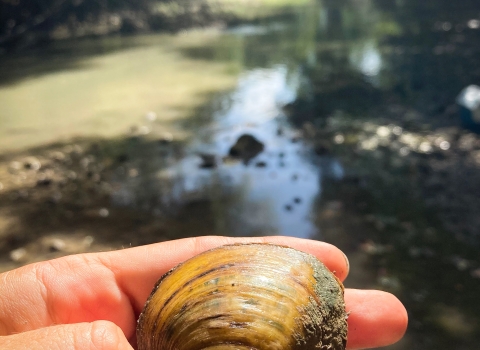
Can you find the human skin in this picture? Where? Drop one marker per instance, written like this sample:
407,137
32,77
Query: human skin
92,301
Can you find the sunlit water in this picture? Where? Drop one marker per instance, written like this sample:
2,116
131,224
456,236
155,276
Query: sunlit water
274,192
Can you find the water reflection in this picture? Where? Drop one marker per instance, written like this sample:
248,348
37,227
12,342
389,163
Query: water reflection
368,60
273,192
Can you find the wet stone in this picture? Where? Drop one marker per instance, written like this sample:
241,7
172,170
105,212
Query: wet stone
14,167
104,212
18,255
165,139
209,161
246,148
44,182
32,163
56,245
88,241
71,175
58,156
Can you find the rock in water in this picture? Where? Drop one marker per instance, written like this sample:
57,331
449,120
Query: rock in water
246,148
209,161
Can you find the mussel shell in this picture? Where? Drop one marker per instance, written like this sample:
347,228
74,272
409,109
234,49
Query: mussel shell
245,296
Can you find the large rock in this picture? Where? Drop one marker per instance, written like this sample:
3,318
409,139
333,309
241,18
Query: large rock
246,148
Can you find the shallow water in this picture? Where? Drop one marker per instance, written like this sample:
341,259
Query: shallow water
123,141
274,192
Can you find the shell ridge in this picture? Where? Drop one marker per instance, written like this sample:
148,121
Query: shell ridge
250,296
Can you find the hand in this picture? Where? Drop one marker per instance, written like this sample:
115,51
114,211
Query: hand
92,301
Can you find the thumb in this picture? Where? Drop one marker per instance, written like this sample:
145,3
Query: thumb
98,335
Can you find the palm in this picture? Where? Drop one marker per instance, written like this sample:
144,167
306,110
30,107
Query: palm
114,286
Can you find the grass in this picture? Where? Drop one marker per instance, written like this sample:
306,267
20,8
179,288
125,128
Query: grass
241,10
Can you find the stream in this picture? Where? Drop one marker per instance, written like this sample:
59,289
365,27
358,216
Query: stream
334,121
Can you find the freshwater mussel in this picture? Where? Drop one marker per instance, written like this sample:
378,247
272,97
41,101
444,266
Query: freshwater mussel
245,296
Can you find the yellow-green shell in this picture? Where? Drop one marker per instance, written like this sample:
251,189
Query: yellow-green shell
245,296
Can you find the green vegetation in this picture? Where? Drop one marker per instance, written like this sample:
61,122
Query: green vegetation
26,23
253,9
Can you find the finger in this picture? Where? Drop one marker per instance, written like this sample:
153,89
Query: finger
113,286
99,335
147,264
376,318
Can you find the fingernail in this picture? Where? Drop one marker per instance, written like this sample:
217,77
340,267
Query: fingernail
347,262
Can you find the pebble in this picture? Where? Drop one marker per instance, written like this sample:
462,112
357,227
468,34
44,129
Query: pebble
144,130
397,130
32,163
88,241
209,161
373,248
383,131
56,197
44,182
445,145
339,139
18,255
72,175
475,273
460,263
58,156
389,282
104,212
166,138
85,162
473,24
15,166
151,116
57,245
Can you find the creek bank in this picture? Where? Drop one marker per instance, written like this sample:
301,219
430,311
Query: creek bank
69,23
